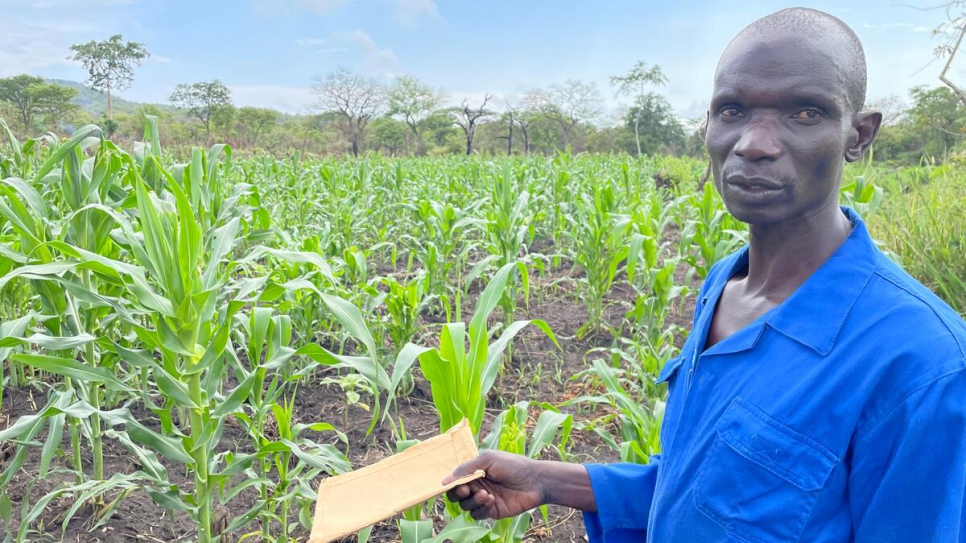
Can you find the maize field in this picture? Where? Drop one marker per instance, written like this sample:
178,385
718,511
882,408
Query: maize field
189,344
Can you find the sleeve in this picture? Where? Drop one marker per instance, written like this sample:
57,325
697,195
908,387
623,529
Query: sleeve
623,493
908,478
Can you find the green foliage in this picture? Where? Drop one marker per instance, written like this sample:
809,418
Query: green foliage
461,378
926,231
213,291
205,100
930,129
36,102
657,125
110,63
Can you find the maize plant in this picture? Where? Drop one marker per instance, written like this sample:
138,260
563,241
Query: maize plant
637,416
509,433
601,249
713,235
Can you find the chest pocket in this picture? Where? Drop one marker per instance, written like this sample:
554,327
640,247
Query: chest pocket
760,479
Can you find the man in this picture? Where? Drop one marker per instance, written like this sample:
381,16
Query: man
821,395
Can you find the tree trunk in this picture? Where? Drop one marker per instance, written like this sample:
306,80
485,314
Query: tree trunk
942,75
509,140
469,143
110,109
355,144
637,134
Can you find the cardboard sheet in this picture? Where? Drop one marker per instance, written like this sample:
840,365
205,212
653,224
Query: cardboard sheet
349,502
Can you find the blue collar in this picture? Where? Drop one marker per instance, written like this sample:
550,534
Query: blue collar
814,314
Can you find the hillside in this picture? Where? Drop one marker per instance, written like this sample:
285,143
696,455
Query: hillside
95,102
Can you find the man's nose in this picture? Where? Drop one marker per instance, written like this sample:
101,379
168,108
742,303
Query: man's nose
760,140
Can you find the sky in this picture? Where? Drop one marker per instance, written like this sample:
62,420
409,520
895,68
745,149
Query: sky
268,52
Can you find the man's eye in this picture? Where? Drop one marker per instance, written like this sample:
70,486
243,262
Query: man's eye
808,114
730,112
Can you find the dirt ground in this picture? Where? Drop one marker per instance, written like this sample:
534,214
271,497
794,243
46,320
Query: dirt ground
538,371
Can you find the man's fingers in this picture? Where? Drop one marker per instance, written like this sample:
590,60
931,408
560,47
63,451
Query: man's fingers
462,470
477,503
458,493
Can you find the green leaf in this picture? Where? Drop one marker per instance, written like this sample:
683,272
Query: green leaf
173,388
407,356
364,534
367,367
349,316
55,432
67,367
6,507
169,447
546,429
460,530
415,531
237,396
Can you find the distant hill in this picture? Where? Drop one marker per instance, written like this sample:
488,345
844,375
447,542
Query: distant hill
95,102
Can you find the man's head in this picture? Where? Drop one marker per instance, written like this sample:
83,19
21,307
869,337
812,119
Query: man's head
786,113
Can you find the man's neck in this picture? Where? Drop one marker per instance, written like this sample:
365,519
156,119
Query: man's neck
782,256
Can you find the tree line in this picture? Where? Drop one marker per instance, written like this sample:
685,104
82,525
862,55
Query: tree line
356,114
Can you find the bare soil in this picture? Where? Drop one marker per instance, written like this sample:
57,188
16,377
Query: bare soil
537,371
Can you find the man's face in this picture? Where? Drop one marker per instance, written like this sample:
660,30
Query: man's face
778,129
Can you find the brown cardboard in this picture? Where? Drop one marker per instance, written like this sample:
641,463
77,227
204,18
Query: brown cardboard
351,501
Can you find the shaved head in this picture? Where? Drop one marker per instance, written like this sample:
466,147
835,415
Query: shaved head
831,34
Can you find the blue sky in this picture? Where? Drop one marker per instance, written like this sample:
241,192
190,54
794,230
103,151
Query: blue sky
269,51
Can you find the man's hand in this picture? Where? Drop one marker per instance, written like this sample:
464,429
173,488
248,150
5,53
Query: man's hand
512,485
515,484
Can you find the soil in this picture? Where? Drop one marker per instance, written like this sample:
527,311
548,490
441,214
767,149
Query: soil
538,371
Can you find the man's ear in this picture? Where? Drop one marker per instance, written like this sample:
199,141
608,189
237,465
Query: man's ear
865,126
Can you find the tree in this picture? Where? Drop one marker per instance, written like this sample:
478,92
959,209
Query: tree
893,110
526,115
938,118
32,99
655,127
635,82
202,99
223,122
389,134
507,119
569,103
256,121
952,31
355,98
413,102
467,119
110,64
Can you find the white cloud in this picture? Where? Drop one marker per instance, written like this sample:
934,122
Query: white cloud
315,42
323,7
311,42
286,99
320,7
158,59
380,62
27,47
410,12
888,26
88,4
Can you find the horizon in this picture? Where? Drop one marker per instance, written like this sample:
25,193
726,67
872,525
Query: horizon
268,53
